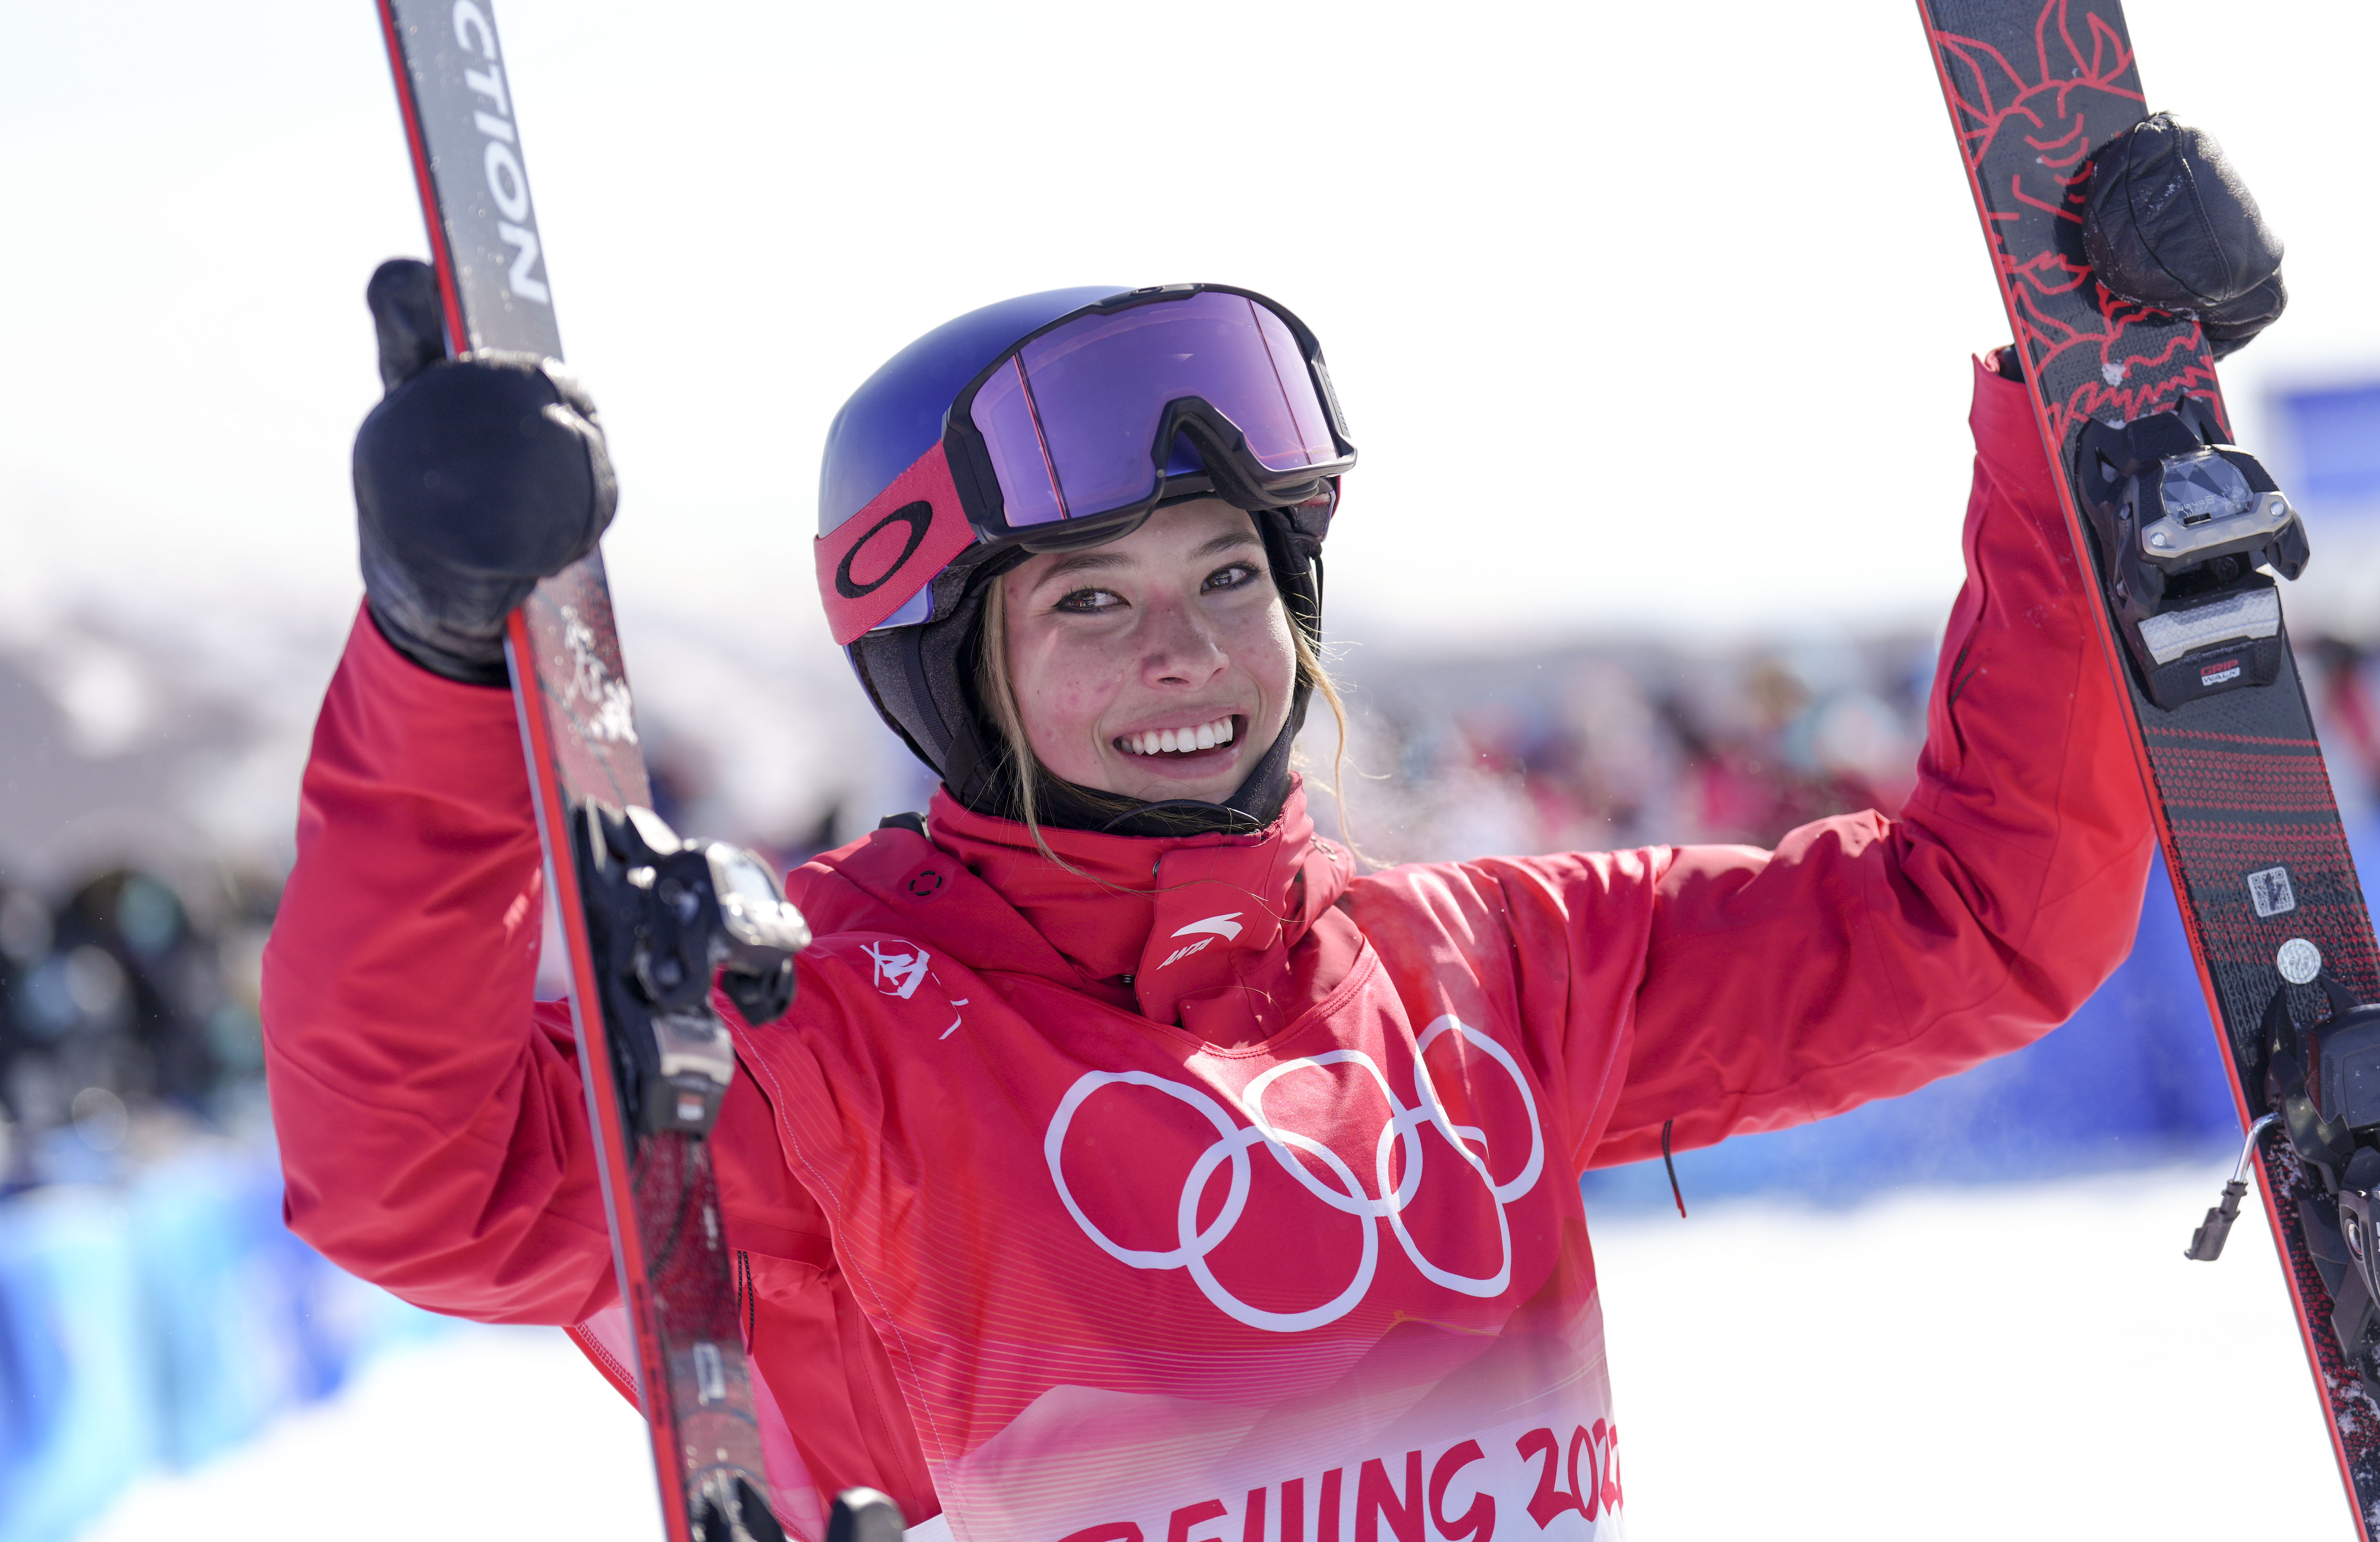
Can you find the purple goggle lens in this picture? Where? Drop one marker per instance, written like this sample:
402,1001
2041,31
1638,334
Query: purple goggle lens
1070,419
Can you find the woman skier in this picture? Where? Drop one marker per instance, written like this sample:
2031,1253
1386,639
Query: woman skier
1131,1167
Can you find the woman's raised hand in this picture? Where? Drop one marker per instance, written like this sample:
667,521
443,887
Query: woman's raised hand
475,477
2168,222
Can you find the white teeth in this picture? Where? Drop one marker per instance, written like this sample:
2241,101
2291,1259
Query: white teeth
1162,741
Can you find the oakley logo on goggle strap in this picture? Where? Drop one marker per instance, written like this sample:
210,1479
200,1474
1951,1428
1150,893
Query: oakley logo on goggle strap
1391,1193
920,518
921,510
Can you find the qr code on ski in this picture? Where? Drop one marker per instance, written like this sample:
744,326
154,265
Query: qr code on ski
2271,892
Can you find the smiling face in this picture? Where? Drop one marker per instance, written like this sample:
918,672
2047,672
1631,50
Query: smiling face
1158,665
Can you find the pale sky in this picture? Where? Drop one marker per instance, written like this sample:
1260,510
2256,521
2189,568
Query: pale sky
1644,316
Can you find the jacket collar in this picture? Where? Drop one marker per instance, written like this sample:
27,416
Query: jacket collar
1214,933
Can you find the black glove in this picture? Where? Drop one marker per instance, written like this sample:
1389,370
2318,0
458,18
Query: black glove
2169,223
475,477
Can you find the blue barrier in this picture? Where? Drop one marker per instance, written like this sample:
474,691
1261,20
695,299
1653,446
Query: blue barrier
82,1418
160,1325
2134,1078
2333,435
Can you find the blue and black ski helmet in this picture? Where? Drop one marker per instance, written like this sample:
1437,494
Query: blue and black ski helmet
1057,420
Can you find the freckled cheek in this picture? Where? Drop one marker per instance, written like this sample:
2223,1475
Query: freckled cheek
1071,691
1259,644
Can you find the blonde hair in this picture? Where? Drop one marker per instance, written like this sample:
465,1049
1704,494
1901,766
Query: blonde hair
1023,770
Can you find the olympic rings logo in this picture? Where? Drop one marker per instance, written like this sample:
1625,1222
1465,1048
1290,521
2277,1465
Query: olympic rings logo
1400,1133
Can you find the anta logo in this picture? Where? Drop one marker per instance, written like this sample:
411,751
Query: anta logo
2214,674
1226,926
897,974
507,183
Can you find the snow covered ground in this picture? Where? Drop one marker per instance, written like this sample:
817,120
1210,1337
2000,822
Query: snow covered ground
2033,1361
484,1431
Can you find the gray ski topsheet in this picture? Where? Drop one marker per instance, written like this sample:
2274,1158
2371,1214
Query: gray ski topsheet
578,725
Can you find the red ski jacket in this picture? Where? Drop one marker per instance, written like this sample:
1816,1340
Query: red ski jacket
1211,1190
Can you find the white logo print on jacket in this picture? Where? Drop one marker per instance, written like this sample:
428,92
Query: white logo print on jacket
1346,1193
898,974
1226,926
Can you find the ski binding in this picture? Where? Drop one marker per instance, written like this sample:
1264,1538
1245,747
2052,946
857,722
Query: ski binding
666,916
2184,522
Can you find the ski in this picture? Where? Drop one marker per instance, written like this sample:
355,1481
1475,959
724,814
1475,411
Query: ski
647,920
2180,527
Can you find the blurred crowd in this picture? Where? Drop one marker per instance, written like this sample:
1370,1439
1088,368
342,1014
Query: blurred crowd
128,999
2343,686
1596,747
128,1020
1607,748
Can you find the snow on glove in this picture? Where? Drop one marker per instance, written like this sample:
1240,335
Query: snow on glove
475,477
2168,222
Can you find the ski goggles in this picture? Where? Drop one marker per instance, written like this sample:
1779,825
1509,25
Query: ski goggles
1078,432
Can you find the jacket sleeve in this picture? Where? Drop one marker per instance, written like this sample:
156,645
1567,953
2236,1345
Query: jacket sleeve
1865,956
1727,989
431,1121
